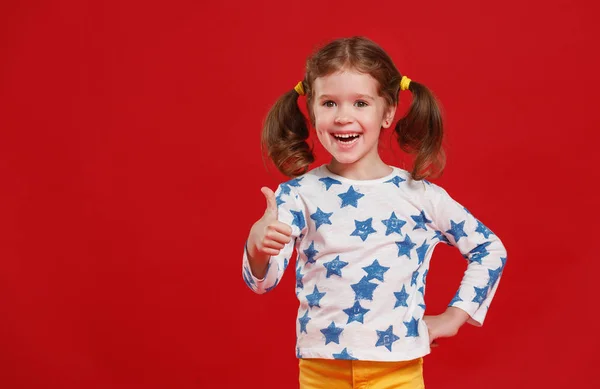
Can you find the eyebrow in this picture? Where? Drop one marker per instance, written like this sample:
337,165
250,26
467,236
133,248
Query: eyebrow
358,96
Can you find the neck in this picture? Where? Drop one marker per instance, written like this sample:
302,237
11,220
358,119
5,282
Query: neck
360,170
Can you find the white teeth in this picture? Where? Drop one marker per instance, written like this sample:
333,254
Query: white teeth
345,135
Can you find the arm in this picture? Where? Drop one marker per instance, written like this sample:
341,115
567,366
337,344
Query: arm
272,239
479,245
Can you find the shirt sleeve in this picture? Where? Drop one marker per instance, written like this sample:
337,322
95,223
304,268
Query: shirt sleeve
291,212
483,250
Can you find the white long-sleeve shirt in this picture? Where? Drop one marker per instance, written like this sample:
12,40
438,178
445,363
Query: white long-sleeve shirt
363,252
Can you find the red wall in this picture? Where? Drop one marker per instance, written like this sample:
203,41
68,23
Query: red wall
130,171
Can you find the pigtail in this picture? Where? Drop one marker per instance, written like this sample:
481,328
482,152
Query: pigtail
421,132
284,136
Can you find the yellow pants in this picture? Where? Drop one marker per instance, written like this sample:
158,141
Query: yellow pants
342,374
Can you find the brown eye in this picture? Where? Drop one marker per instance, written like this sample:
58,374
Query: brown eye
361,104
329,104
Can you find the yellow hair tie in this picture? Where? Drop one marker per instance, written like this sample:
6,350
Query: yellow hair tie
299,88
404,83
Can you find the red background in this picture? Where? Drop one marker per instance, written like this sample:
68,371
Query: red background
130,171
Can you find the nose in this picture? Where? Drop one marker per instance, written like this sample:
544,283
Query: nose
343,116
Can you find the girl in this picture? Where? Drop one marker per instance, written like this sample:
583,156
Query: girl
364,232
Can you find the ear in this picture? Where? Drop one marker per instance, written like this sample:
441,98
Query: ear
388,116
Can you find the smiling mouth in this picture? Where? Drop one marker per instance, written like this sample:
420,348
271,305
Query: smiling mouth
346,138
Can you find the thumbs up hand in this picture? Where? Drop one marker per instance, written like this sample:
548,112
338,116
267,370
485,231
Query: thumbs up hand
268,235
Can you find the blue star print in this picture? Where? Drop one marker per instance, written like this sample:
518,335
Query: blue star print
422,290
456,230
364,289
321,218
356,313
298,219
332,333
310,253
441,237
303,322
405,246
483,230
285,189
279,200
350,198
386,338
413,281
401,298
299,276
285,263
393,224
412,327
329,181
344,355
479,252
295,182
375,271
421,251
363,228
421,220
503,259
456,299
480,294
315,297
494,275
396,181
335,267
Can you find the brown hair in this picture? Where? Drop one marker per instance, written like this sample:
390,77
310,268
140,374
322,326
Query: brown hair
419,132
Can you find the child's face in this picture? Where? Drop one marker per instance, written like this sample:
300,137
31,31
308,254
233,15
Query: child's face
349,115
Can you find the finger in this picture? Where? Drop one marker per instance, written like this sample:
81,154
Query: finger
273,244
282,228
269,251
271,201
278,237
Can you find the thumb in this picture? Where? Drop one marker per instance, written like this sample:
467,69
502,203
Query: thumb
271,202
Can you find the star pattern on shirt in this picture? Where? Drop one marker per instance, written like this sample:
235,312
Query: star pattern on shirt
412,328
363,228
483,230
386,338
396,180
279,200
285,189
456,298
494,275
422,251
375,271
421,221
344,355
334,267
299,275
393,224
285,263
413,280
356,313
328,181
295,182
321,218
480,294
303,322
315,297
332,333
310,253
350,198
405,246
441,237
364,289
401,298
479,252
456,230
298,219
